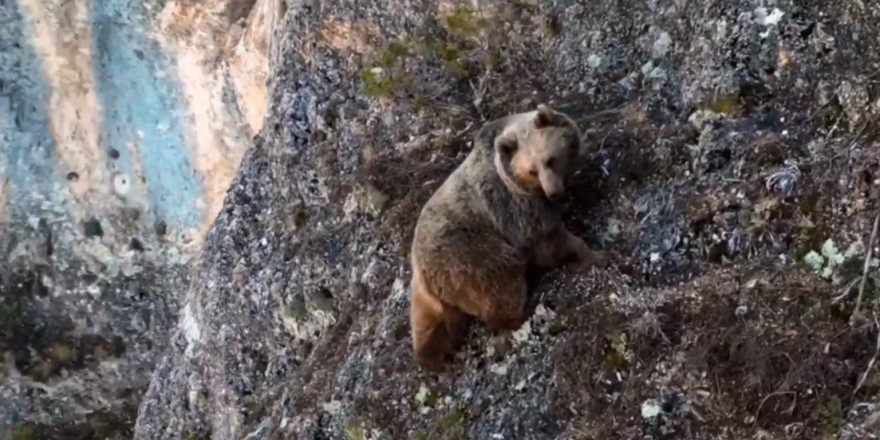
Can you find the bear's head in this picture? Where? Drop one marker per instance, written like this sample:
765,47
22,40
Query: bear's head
536,151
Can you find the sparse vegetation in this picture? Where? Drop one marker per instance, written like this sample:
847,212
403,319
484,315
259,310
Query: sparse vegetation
454,47
730,312
24,432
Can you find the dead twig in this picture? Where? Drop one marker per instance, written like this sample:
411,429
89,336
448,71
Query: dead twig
867,266
846,290
614,111
870,366
773,394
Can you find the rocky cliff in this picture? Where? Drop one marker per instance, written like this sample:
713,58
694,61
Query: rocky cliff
734,169
119,135
736,175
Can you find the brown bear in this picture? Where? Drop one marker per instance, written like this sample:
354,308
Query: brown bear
495,216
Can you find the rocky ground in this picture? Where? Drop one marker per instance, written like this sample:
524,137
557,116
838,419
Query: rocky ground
117,145
734,171
735,175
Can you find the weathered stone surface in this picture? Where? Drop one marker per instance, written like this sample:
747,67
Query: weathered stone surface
744,138
116,148
743,143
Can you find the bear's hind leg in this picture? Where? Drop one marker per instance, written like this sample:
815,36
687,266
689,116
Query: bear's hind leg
436,328
486,279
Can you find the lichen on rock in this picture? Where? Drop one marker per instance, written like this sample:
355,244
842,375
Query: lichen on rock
740,137
716,176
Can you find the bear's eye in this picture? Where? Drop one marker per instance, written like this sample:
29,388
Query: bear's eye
550,162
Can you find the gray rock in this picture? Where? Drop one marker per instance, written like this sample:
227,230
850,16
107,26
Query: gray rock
664,330
295,324
103,196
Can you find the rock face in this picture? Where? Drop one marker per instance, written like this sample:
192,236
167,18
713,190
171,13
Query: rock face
118,141
744,138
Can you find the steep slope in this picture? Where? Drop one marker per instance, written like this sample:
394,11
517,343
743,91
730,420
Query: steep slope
118,140
744,139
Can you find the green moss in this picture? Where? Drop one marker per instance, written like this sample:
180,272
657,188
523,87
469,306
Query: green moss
393,52
463,23
421,102
405,250
557,326
489,60
355,430
420,435
10,311
451,56
618,354
725,105
300,218
24,432
431,400
829,115
253,408
376,82
61,352
370,199
42,371
832,415
613,359
871,387
189,435
454,422
323,300
296,309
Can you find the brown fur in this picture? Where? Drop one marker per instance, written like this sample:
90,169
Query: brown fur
492,218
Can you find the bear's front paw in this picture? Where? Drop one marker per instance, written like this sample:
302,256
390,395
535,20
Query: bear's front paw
594,258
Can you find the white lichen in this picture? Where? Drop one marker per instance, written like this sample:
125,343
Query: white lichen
650,410
537,323
422,399
499,369
594,61
661,45
332,406
829,259
190,328
829,250
814,260
768,19
398,289
522,334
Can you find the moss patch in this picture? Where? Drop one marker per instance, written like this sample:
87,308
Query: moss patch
25,432
450,46
816,357
377,82
464,22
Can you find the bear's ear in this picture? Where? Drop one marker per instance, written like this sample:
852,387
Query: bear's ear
487,134
544,118
506,146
